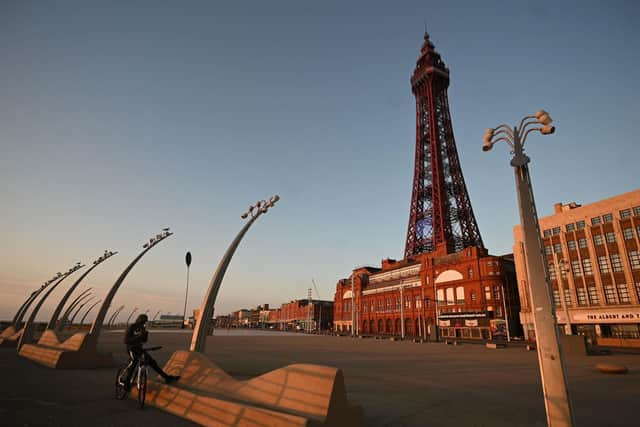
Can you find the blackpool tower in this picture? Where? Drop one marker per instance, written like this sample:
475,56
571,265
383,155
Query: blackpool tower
441,215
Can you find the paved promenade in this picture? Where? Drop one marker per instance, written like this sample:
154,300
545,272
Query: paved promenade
397,383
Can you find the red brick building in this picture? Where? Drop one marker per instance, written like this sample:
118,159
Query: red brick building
296,315
468,294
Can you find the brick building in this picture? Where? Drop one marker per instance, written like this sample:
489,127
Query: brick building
469,294
297,315
593,259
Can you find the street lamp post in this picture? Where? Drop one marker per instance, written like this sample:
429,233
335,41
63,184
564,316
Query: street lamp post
552,369
187,260
198,340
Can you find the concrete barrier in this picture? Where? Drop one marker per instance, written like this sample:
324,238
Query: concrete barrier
10,337
72,353
296,395
495,345
612,368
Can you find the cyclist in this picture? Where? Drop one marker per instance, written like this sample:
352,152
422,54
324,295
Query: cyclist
135,337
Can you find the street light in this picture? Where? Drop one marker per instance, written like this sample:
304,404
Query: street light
552,369
202,324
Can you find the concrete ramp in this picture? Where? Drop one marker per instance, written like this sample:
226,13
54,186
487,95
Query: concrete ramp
73,353
10,337
296,395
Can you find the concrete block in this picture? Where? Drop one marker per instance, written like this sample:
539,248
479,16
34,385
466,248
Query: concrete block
73,353
312,393
495,345
612,368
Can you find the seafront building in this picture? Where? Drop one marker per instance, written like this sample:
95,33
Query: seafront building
447,284
593,258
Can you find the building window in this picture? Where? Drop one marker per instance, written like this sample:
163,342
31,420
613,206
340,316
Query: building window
557,248
460,295
623,293
388,301
498,311
582,296
571,244
603,265
616,263
634,260
473,296
547,250
407,301
582,242
596,220
593,295
609,294
496,293
638,230
563,268
625,213
450,299
575,268
598,240
556,298
607,218
627,233
487,293
570,227
441,296
552,271
373,306
547,233
567,296
580,225
556,230
611,237
470,273
638,289
398,302
586,267
636,210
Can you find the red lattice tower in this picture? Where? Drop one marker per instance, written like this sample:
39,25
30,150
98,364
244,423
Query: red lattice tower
441,212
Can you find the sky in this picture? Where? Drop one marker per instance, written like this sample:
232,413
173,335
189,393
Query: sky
120,118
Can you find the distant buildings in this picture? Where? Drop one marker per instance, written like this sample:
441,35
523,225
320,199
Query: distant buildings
593,257
293,315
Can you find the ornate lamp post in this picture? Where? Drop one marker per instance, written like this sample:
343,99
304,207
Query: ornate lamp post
203,323
552,369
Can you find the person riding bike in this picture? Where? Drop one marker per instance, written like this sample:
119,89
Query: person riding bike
137,335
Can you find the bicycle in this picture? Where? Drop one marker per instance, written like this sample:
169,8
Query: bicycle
140,370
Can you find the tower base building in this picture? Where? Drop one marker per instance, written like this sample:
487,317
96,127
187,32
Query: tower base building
435,295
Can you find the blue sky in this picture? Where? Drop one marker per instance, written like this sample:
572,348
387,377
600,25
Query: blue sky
120,118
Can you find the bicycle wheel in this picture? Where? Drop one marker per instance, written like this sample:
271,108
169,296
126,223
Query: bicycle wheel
121,386
142,387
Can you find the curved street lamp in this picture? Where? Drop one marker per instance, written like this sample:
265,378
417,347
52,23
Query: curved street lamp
64,319
56,313
91,340
203,323
88,311
80,307
113,317
27,331
552,369
132,311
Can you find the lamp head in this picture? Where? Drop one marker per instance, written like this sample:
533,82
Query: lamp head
548,130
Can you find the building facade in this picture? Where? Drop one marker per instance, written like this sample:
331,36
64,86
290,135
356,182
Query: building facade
300,315
593,259
468,295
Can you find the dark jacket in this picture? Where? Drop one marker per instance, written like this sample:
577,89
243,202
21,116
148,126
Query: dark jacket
136,336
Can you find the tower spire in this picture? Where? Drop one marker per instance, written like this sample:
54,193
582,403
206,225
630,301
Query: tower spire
440,213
